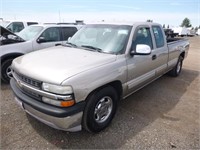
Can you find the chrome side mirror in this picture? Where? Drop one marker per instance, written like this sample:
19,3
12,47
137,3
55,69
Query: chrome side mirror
141,49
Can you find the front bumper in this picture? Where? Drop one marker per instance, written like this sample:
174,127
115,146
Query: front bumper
68,119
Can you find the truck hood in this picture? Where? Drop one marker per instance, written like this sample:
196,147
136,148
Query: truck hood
56,64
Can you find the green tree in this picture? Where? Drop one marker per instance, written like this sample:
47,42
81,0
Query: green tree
186,23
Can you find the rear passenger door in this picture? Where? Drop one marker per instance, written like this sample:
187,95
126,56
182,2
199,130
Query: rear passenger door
160,50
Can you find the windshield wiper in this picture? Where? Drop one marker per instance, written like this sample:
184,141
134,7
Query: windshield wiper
71,44
92,47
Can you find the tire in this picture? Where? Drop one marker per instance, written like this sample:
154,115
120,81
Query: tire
95,117
177,69
6,70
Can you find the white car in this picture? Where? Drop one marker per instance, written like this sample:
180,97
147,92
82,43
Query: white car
198,32
17,26
34,37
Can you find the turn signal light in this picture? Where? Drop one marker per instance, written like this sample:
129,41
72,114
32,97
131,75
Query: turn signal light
67,103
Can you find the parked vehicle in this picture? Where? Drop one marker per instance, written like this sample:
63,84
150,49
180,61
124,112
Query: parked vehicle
4,23
170,33
198,32
79,84
32,38
17,26
181,31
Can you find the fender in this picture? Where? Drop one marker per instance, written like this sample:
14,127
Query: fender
10,55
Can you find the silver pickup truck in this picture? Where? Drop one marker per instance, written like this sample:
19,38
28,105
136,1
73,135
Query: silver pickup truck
79,85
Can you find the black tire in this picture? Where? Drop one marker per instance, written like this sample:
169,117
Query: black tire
5,68
177,69
91,121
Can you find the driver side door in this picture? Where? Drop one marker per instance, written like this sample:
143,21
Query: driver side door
141,68
48,38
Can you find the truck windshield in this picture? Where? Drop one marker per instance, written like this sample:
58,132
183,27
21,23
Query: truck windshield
102,38
30,32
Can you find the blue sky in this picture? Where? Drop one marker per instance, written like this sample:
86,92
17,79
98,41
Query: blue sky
170,12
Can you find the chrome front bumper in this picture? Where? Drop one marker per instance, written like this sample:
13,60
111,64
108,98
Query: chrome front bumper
70,123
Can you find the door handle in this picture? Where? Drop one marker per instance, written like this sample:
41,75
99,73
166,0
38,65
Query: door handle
154,57
57,44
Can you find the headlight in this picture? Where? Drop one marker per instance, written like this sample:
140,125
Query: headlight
58,89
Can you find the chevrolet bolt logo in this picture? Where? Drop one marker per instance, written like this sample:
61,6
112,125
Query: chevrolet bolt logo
19,83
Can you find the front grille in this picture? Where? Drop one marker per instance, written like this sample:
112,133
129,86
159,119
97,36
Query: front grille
29,81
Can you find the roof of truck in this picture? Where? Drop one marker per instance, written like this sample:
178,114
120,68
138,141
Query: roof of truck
56,25
127,23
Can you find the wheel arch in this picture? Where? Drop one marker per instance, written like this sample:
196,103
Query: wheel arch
182,55
117,85
9,56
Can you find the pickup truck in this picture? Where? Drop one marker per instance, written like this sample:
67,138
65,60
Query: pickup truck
32,38
78,85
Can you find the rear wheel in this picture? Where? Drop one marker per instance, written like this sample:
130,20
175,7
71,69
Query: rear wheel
177,69
100,109
6,73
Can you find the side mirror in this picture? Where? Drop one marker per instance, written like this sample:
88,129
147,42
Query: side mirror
141,49
41,40
11,36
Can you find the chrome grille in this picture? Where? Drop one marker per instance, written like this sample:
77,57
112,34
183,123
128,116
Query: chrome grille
28,80
31,82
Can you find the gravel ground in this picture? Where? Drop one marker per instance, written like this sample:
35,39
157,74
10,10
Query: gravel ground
163,115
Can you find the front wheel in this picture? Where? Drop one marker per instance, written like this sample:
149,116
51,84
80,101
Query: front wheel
100,109
177,69
6,73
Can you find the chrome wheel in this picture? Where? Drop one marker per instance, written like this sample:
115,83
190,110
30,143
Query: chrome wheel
103,109
178,69
9,72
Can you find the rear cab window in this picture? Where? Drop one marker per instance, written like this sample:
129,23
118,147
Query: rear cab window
158,35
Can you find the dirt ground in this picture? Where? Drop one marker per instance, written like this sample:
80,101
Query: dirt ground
163,115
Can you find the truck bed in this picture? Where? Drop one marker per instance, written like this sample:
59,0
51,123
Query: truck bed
172,40
177,44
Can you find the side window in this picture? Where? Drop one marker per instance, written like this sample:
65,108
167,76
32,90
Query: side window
51,34
68,32
31,23
158,35
143,36
16,26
